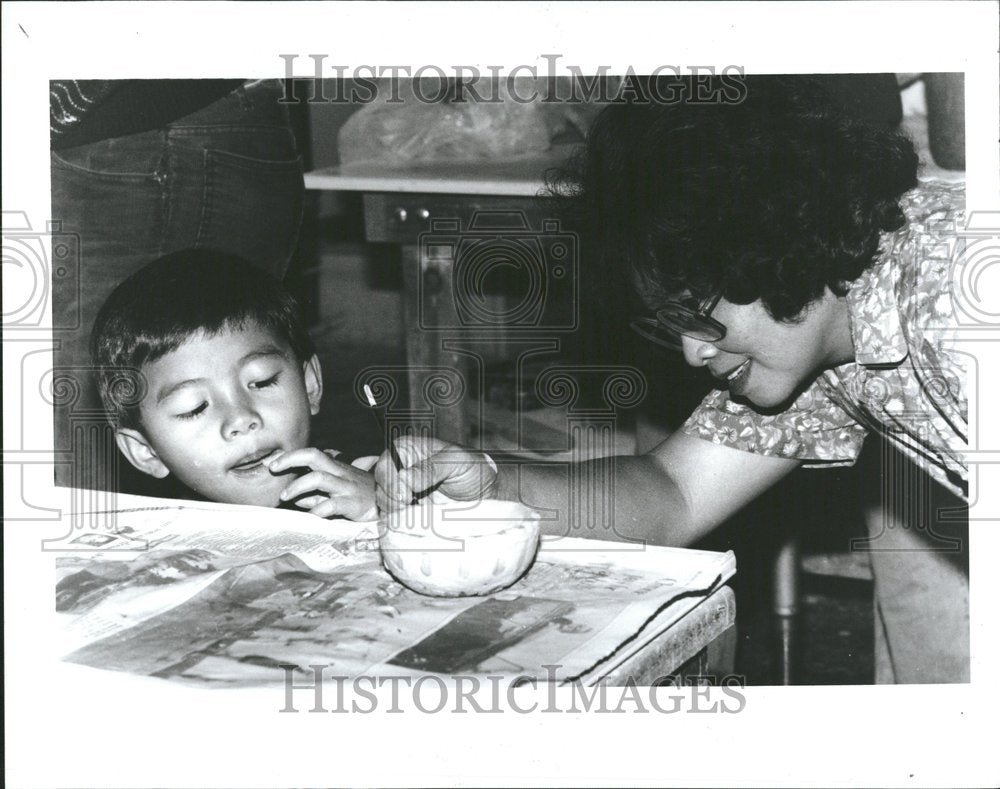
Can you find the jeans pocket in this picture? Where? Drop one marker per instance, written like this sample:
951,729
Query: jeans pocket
134,158
118,214
252,207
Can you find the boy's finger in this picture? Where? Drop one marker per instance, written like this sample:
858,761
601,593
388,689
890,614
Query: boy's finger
310,501
311,482
345,507
294,458
309,458
325,509
384,469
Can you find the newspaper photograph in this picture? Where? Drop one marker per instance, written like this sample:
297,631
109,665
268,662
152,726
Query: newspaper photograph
219,596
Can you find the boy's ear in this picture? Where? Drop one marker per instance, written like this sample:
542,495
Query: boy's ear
140,454
313,376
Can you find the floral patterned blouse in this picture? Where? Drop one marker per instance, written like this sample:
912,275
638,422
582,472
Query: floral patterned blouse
907,381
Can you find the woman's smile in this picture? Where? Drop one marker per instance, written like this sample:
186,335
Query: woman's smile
737,377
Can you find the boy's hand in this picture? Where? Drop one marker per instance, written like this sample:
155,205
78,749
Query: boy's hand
458,473
331,488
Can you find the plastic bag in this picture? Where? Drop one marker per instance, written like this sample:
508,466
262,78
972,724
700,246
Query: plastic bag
417,130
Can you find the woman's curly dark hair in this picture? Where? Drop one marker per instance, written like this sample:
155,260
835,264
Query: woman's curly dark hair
775,198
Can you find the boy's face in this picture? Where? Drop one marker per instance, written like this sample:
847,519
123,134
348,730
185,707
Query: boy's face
218,407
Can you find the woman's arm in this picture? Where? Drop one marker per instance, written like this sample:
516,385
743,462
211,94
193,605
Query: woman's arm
673,495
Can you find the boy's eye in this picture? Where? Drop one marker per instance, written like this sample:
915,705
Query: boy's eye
265,383
193,412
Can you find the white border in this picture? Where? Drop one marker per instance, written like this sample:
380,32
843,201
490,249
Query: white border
68,728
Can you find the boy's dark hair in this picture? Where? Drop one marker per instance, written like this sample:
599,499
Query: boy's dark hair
774,197
162,305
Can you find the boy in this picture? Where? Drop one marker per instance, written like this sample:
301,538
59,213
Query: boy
207,373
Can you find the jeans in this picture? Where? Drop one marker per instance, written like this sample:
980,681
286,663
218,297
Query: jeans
226,177
919,550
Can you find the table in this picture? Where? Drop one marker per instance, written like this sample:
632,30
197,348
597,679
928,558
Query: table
701,647
244,590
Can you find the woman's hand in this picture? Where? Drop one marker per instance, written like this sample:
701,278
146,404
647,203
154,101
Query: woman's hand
331,488
457,473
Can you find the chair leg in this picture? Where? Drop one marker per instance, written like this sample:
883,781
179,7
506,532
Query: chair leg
786,604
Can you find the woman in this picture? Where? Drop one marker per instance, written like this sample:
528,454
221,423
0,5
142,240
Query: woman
786,247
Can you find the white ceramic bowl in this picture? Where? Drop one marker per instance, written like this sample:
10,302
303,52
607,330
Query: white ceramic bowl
459,548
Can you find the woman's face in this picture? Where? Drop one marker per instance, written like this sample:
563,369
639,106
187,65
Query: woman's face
766,361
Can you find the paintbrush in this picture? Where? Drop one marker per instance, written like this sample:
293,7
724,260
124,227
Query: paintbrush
397,461
380,421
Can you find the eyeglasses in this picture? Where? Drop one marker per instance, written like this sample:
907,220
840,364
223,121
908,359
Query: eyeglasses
682,318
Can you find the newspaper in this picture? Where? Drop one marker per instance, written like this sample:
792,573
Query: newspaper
224,596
